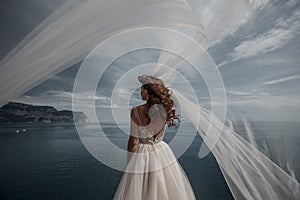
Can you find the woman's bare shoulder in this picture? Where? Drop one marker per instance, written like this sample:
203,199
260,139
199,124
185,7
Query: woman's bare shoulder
139,107
136,110
137,113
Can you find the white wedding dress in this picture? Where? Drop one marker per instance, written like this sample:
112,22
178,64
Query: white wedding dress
153,172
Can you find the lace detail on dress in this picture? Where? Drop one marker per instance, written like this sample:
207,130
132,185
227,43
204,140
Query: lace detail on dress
145,137
151,140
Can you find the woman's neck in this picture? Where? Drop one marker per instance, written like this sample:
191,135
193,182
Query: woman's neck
148,104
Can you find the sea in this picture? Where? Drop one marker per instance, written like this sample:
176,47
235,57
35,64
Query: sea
49,161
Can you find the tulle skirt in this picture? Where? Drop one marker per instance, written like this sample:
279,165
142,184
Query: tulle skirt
163,177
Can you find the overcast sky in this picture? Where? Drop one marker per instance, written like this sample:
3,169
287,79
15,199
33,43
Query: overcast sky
259,62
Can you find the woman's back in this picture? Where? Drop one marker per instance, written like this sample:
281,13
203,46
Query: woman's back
149,126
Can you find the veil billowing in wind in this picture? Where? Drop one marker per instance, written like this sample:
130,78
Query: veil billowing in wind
71,32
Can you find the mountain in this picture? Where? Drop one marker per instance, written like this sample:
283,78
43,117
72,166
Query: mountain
14,112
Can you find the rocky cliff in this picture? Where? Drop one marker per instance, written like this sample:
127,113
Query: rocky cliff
25,113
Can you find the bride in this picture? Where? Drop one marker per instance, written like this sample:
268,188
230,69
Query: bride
152,170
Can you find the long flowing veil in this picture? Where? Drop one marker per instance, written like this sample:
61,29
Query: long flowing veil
180,31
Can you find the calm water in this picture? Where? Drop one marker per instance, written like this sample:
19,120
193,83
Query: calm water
50,162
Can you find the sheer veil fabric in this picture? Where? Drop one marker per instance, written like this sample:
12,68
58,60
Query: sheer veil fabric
71,32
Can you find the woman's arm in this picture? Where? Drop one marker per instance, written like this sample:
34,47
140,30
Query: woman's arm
132,144
133,138
131,147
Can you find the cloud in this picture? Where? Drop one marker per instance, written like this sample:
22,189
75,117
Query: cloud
255,6
237,93
272,108
281,80
43,100
267,42
281,34
258,4
62,99
69,95
292,3
283,31
264,101
246,96
261,98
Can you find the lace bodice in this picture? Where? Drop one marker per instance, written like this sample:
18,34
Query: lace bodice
145,137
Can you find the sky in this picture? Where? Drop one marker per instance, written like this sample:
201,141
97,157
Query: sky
259,61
